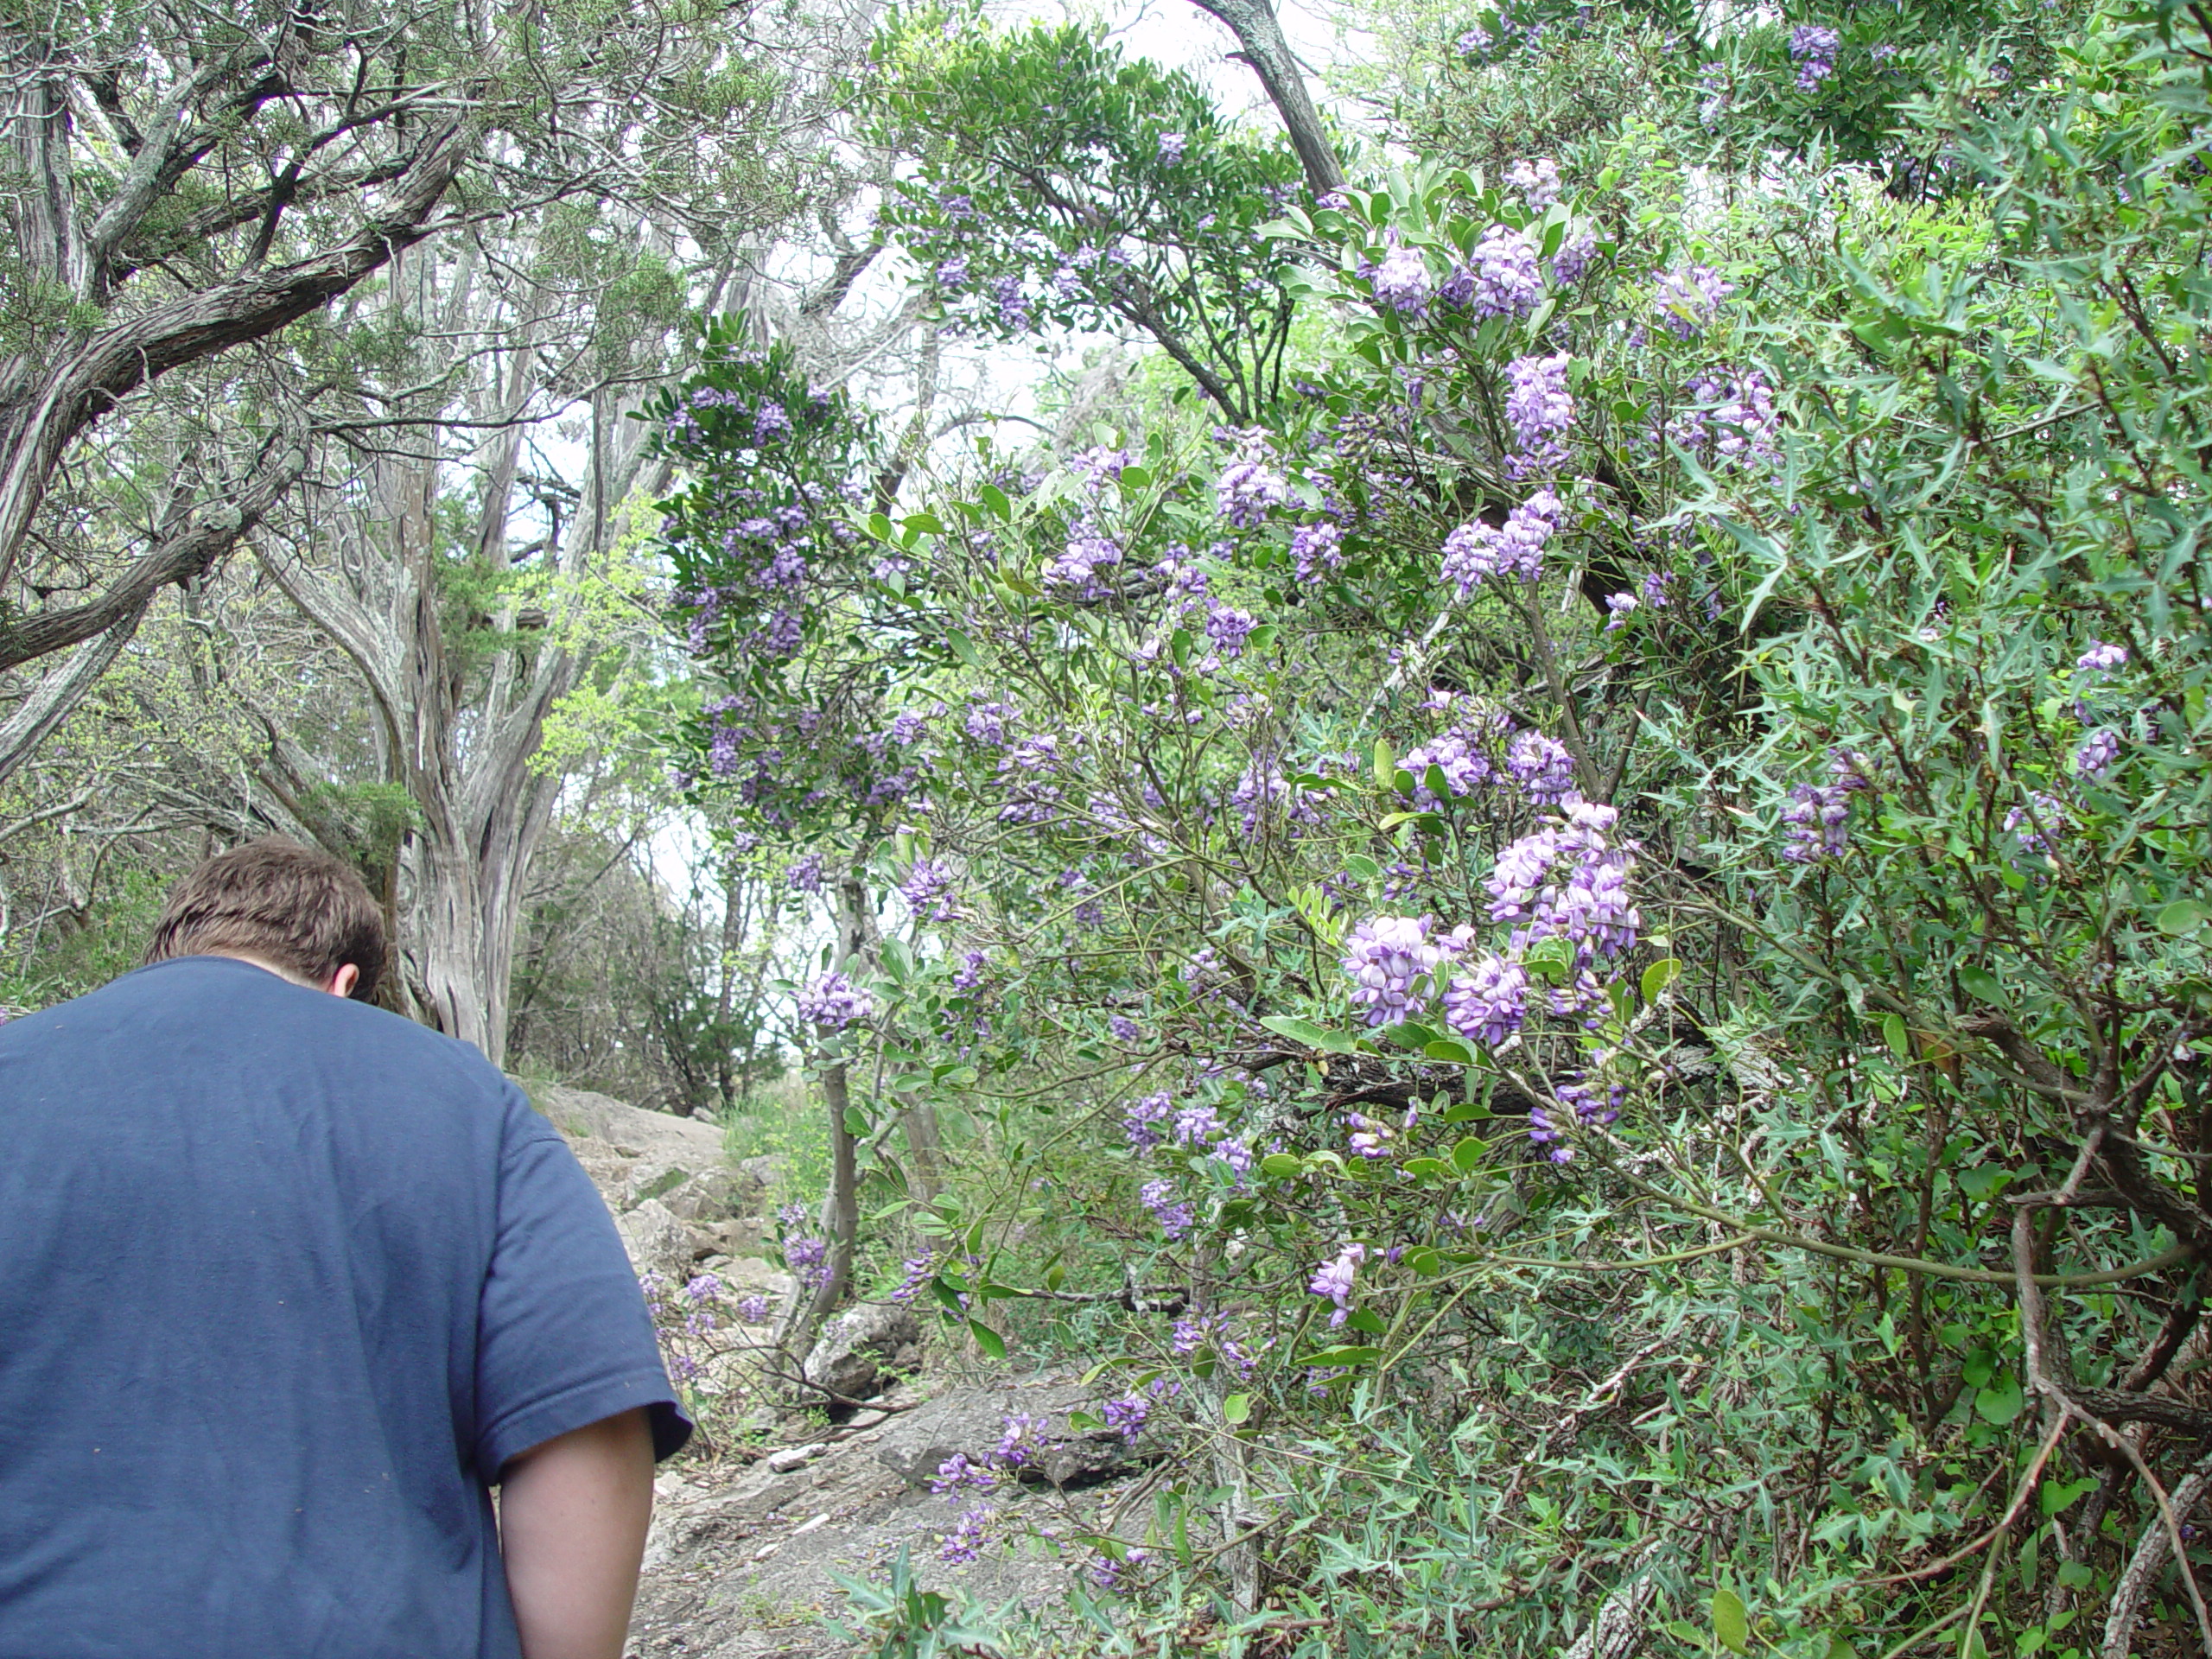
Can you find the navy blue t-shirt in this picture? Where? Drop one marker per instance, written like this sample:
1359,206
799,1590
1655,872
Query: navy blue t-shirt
285,1281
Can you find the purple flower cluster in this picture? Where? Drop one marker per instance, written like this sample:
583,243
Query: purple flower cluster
1246,489
1476,552
1541,768
929,890
1088,550
1229,628
1568,880
958,1472
1817,817
2098,752
1539,408
834,1002
803,874
952,275
1316,547
971,1530
920,1269
1384,956
1023,1440
1487,1003
1400,283
2038,824
1126,1416
986,722
969,976
2101,658
1143,1121
1174,1216
1014,308
1619,607
1465,768
1813,48
1172,146
1689,299
1334,1279
1537,182
1733,422
807,1254
1573,258
1503,281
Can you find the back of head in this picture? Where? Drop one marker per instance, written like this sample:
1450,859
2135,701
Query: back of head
297,910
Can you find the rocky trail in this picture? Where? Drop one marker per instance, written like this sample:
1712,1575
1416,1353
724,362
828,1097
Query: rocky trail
747,1538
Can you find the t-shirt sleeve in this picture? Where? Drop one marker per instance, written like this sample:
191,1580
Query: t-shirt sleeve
564,1338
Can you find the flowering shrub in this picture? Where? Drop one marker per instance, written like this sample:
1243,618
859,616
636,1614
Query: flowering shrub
1587,932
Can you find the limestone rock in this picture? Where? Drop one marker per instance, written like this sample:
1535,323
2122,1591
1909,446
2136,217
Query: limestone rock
858,1345
633,1133
655,1241
973,1424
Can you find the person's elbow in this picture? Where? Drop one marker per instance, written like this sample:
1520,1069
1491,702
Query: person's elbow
573,1517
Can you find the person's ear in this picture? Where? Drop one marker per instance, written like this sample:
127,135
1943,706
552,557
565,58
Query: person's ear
342,981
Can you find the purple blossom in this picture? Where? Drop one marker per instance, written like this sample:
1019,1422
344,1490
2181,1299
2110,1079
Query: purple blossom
1465,768
1537,182
1246,489
1229,627
1384,956
1813,48
920,1269
1370,1137
703,1287
1126,1416
1817,817
1619,605
1506,281
1689,298
754,1309
1713,94
952,274
986,722
1568,880
1487,1003
1539,408
1542,768
2039,824
1105,1572
1123,1029
1101,465
1541,1131
969,976
1732,421
970,1532
959,1471
1014,309
929,890
1573,258
2101,658
1143,1121
834,1002
770,422
804,873
1333,1279
1476,552
1654,587
1023,1442
1088,550
1172,146
1401,283
2098,752
1316,547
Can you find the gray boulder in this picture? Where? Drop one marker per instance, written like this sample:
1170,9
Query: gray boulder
633,1133
657,1240
972,1424
860,1346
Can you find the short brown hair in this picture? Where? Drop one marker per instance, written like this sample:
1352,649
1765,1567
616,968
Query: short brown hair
300,910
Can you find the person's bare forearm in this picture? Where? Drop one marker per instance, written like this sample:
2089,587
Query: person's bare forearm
573,1515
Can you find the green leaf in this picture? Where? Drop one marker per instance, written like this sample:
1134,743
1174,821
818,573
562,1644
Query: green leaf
2184,916
1406,1034
1431,1169
988,1339
2057,1495
1900,1040
1468,1153
2000,1402
1386,765
1361,867
1236,1408
856,1122
1658,976
879,526
1350,1355
1445,1049
1424,1262
1688,1634
1732,1625
994,498
927,523
1302,1032
1263,638
1178,647
1135,477
962,647
1366,1319
1281,1165
1983,984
